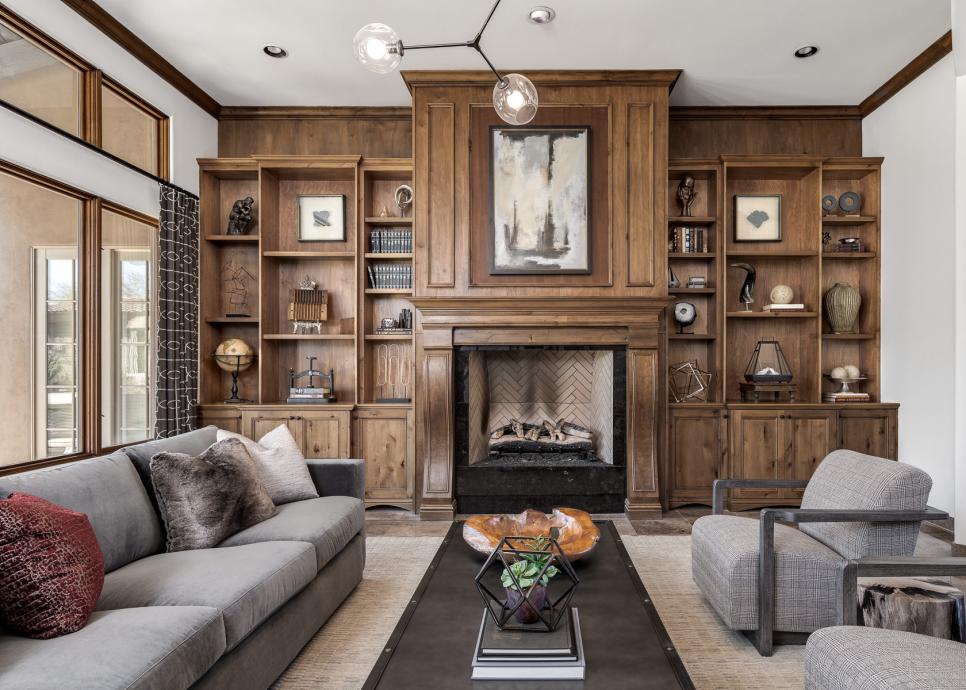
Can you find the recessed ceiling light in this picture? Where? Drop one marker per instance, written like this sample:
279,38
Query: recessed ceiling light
541,14
275,51
806,51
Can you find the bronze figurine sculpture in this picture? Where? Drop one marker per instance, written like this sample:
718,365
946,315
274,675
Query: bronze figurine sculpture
240,217
746,288
686,194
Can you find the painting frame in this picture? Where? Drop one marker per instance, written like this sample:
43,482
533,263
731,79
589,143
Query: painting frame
309,230
746,231
496,269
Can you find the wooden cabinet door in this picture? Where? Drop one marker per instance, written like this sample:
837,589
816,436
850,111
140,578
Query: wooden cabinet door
757,450
809,436
872,432
383,438
325,434
229,419
257,423
698,442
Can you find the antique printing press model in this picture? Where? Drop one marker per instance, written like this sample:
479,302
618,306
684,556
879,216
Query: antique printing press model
323,393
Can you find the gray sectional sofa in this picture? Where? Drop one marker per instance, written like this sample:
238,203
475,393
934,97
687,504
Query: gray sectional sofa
231,617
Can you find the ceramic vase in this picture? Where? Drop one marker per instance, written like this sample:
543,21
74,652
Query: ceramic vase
842,302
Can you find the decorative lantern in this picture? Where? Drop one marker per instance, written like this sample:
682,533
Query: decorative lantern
768,364
535,601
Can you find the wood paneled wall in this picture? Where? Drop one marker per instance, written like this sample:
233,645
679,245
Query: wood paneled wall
293,131
823,131
630,116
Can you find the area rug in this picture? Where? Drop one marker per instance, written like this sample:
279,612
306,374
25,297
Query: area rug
343,652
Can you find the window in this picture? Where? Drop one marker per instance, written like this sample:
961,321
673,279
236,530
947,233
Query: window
43,78
78,343
128,268
41,82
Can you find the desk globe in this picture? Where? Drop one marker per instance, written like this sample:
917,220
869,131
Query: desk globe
234,356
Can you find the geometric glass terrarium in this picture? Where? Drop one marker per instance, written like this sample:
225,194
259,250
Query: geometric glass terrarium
768,364
527,583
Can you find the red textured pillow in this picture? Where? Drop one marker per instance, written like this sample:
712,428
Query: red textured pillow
51,567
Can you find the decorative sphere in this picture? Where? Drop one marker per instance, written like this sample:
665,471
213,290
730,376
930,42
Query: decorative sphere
781,294
838,373
852,371
377,48
226,351
515,99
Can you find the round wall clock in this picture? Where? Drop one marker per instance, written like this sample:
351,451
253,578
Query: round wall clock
685,314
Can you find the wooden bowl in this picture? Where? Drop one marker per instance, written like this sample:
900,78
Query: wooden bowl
578,533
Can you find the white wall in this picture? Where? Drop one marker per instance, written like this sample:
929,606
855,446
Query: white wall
961,301
194,133
916,132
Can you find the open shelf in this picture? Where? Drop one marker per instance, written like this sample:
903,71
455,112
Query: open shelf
389,255
848,255
231,239
692,291
307,336
308,255
389,336
388,220
692,220
848,336
691,336
847,220
388,291
232,319
771,315
767,254
692,256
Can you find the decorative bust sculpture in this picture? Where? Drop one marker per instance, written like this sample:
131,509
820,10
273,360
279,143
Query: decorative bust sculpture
241,216
686,194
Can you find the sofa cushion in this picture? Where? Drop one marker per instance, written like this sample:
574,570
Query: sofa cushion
280,463
51,568
724,564
108,491
158,648
849,480
857,658
246,583
326,523
191,443
205,499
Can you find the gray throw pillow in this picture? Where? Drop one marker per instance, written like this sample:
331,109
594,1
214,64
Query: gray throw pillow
280,463
206,499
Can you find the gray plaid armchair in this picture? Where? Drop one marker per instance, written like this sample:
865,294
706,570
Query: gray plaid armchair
762,577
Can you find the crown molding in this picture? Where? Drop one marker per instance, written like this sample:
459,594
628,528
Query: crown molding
901,79
314,112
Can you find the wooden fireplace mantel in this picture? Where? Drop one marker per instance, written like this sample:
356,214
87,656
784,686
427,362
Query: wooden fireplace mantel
445,323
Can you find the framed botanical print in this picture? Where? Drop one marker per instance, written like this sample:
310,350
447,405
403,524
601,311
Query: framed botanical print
322,218
758,218
539,200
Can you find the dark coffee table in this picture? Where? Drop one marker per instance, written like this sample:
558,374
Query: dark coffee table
625,643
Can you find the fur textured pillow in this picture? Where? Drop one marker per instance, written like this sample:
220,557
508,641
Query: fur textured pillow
51,567
206,499
281,465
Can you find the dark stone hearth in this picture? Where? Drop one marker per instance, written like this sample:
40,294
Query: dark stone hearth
542,459
522,445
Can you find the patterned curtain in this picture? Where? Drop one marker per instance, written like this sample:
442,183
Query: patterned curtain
177,380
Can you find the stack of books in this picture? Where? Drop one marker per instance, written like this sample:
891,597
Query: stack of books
783,307
391,276
530,654
697,282
684,240
392,241
849,396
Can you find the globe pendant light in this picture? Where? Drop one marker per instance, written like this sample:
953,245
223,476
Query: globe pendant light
379,50
515,99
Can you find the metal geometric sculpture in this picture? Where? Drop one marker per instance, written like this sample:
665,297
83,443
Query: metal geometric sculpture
688,381
546,552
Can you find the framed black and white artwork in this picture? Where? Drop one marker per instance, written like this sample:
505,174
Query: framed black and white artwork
539,200
322,218
758,218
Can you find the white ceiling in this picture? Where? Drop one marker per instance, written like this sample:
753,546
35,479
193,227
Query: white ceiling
733,52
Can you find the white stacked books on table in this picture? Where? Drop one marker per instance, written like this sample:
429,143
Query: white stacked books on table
529,655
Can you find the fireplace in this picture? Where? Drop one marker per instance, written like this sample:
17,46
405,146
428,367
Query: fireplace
540,427
462,337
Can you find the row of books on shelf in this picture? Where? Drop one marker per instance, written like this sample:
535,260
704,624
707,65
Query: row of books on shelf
530,655
390,276
392,241
688,240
